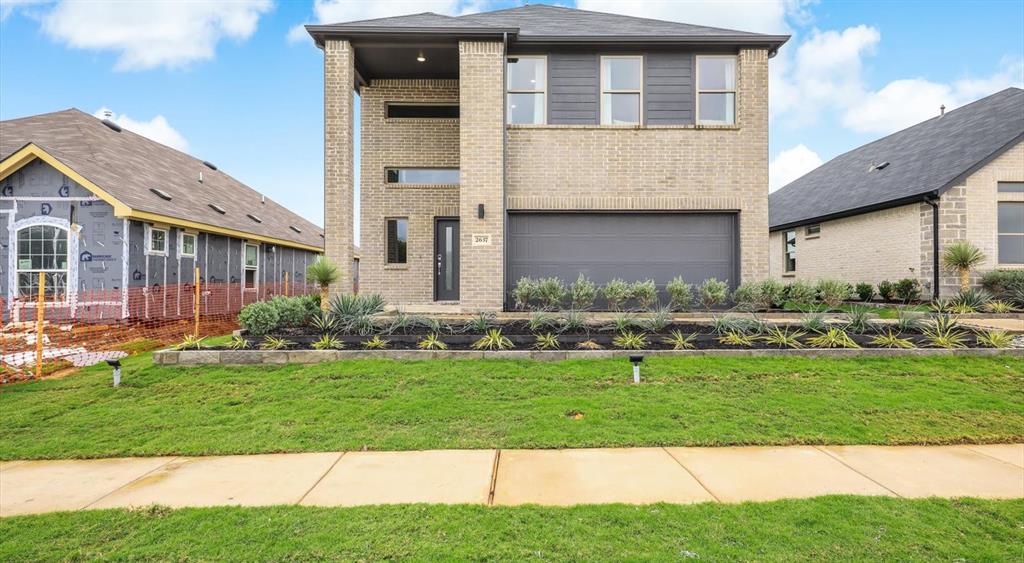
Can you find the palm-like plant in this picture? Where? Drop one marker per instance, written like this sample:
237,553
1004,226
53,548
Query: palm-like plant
323,273
960,258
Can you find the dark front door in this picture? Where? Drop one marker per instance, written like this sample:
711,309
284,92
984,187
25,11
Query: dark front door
446,260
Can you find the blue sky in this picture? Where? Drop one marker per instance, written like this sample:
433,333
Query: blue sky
237,83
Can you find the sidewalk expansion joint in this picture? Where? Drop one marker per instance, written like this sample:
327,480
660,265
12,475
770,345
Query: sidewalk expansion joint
494,477
135,480
1011,464
691,473
321,478
851,468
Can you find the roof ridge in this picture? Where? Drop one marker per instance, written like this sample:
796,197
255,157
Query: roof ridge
393,17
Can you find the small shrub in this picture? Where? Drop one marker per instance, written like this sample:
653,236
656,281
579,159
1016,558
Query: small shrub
858,319
400,323
480,323
431,342
376,343
259,318
493,340
801,293
994,339
907,321
747,297
732,323
814,322
833,338
658,320
999,306
575,321
778,336
551,292
191,342
434,325
713,292
645,293
237,343
542,321
630,340
972,300
680,294
908,289
889,339
1007,285
679,341
291,311
944,332
547,341
582,293
622,323
271,343
865,291
328,342
589,345
773,293
887,290
616,293
345,306
733,338
525,292
832,292
324,322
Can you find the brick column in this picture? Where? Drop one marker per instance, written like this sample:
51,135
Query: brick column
752,117
481,157
339,77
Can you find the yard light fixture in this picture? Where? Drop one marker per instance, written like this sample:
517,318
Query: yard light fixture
116,364
636,360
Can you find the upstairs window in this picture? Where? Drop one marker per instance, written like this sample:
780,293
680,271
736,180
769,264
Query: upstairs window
252,265
397,240
621,90
527,90
790,251
447,176
811,231
716,90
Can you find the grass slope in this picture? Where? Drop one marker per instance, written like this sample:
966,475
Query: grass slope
389,405
825,528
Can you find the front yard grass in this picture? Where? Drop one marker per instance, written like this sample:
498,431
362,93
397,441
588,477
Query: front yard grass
391,405
824,528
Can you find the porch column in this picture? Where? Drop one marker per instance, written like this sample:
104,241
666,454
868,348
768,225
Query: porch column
481,160
339,78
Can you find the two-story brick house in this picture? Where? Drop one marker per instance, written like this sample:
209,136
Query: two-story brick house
545,141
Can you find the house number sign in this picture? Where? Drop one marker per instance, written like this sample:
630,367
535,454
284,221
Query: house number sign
482,240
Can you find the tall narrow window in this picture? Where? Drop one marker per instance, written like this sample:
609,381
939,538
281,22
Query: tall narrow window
790,251
716,90
397,240
527,89
1011,232
252,265
621,90
42,248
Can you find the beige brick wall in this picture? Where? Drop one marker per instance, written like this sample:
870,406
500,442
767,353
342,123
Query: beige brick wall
339,77
387,143
865,248
657,167
481,142
982,200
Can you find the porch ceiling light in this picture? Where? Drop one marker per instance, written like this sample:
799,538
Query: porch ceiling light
421,58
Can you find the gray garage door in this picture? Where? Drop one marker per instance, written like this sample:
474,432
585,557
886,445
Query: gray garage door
631,246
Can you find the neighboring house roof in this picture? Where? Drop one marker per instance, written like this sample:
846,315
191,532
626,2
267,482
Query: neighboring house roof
126,166
923,160
544,23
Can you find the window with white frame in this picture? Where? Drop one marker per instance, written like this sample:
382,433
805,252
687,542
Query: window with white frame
527,89
186,244
716,90
621,89
156,240
252,265
42,249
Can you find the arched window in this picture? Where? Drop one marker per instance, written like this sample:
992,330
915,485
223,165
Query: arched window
42,248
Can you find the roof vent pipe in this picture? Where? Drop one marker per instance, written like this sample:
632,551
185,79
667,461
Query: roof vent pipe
200,176
942,110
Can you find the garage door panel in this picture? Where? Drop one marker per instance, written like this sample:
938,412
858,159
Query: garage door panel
631,246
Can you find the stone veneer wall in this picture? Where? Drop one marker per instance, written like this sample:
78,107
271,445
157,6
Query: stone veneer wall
387,143
687,168
339,77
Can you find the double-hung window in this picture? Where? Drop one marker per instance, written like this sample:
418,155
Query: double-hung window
716,90
527,89
186,245
156,241
790,251
42,249
621,89
252,265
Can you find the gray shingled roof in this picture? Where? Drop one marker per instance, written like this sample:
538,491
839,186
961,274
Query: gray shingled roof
924,159
127,165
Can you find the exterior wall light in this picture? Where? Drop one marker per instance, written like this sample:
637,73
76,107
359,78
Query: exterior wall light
421,58
480,211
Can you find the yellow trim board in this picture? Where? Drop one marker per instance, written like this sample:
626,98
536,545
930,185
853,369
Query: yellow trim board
31,151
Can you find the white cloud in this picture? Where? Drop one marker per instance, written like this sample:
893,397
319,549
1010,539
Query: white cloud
762,16
7,7
790,164
337,11
157,128
153,33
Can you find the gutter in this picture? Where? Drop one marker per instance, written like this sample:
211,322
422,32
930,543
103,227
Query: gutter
932,200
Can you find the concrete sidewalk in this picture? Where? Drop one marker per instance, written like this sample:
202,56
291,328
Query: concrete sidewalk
509,477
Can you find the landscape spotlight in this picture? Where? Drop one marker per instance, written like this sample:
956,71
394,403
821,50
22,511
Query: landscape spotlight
116,364
636,360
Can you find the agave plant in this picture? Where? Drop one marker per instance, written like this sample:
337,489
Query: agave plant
630,340
575,321
658,320
237,343
480,323
960,258
376,343
323,273
493,340
907,321
273,343
814,322
833,338
970,301
191,342
431,342
324,322
347,306
542,321
400,323
889,339
783,338
328,342
999,306
680,341
944,332
994,339
622,323
858,319
546,341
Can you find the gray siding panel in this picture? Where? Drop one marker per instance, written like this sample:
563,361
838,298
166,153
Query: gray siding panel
668,89
573,89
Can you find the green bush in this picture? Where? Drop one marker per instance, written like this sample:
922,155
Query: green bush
773,293
865,291
1005,284
551,292
747,296
887,291
680,293
908,289
801,293
645,292
833,292
259,318
525,292
293,311
582,293
713,292
616,292
345,306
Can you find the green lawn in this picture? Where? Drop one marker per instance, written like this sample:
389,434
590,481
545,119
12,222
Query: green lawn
825,528
388,405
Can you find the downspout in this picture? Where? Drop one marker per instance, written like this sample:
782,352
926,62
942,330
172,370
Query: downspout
504,171
933,201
